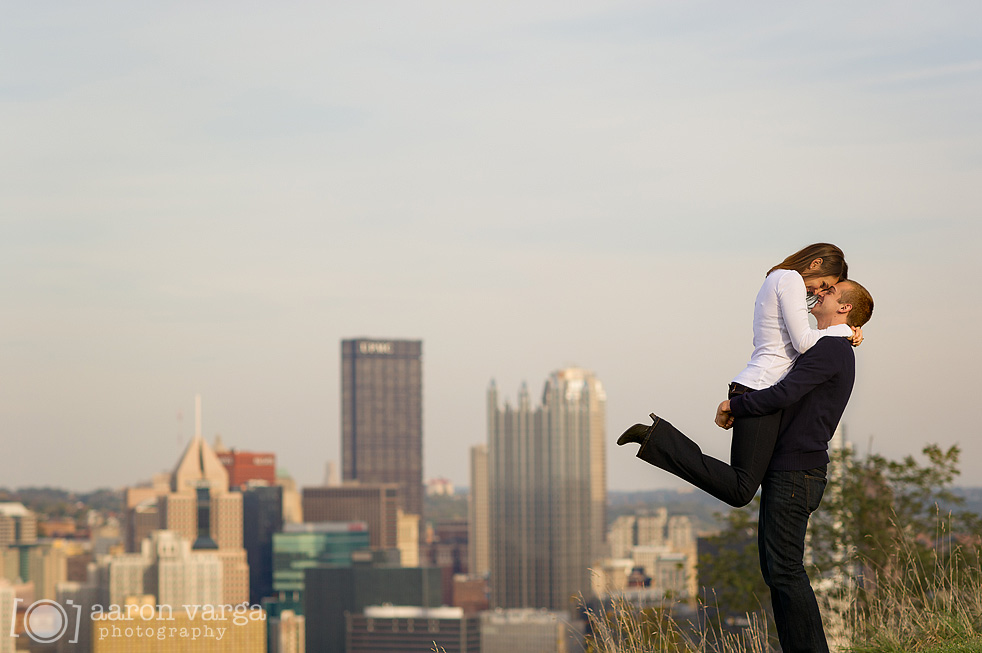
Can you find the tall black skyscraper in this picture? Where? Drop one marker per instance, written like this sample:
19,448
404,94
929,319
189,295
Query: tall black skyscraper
382,415
262,515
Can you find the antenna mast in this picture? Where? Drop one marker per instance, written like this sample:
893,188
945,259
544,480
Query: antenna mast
197,416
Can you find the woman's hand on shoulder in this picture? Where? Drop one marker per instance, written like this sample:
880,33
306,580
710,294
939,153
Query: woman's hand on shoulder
857,336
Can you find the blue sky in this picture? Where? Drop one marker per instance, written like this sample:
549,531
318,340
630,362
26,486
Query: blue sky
208,198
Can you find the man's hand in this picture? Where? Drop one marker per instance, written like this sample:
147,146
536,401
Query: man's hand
857,336
724,418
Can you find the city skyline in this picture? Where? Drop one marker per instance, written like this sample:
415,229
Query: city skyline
208,200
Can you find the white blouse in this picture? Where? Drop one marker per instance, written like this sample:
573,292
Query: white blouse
781,330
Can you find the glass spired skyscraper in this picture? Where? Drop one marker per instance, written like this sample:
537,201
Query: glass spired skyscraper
547,487
382,415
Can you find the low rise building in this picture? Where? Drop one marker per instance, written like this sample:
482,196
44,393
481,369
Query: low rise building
398,629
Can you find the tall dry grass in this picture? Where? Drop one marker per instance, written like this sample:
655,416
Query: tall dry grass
626,627
926,597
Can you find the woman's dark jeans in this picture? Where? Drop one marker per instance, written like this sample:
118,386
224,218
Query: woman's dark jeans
787,500
751,447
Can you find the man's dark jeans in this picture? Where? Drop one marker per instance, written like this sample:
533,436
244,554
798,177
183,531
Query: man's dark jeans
751,446
786,502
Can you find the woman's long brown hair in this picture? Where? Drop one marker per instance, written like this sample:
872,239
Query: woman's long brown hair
833,262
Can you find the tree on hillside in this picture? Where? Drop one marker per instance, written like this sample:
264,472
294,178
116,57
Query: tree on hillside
871,503
895,522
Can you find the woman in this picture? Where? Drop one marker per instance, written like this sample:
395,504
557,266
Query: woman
781,333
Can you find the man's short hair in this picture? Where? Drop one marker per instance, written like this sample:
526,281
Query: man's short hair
861,300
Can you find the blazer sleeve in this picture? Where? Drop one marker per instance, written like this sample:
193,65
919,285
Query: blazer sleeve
791,302
810,370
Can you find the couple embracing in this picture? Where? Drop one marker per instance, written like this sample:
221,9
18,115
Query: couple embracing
783,409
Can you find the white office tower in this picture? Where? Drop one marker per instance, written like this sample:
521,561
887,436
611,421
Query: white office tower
286,633
651,527
168,569
622,536
478,534
201,509
8,608
525,629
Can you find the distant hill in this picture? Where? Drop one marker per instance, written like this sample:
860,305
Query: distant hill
701,508
56,502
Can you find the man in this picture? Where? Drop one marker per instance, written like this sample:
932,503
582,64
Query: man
808,402
813,397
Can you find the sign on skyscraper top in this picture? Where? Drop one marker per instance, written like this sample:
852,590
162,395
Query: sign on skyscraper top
375,347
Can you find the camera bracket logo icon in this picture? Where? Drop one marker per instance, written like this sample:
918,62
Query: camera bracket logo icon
46,621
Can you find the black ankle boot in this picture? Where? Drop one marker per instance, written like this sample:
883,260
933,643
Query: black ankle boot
635,433
639,432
